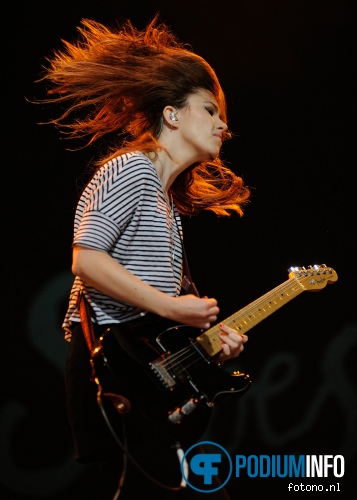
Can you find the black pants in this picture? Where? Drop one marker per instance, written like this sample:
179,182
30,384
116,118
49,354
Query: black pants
92,422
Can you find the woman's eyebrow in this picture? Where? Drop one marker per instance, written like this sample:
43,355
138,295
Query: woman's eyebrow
216,108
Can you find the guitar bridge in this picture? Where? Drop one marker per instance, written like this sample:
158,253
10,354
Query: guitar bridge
169,371
159,367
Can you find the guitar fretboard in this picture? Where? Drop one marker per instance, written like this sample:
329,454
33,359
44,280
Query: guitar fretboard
248,317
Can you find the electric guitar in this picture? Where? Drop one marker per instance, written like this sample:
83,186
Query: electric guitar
168,381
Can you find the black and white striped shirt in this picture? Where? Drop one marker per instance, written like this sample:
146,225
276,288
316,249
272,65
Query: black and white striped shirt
124,211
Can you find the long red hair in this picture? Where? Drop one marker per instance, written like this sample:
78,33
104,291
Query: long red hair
114,84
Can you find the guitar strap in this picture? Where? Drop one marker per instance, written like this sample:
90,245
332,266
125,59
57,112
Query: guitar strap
187,283
86,321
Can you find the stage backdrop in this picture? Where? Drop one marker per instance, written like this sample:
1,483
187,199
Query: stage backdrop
286,67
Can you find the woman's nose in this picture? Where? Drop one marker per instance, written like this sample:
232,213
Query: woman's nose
223,125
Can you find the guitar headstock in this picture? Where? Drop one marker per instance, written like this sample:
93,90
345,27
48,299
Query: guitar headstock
315,277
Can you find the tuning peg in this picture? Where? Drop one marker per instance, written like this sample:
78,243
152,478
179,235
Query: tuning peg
294,269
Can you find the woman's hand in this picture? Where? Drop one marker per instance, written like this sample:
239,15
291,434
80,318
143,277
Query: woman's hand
232,343
194,311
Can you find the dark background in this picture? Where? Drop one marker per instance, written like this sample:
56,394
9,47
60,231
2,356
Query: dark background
286,67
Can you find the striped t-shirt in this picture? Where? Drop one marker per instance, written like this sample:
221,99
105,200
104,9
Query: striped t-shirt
124,211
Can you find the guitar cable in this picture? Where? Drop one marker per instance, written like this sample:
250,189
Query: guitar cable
124,448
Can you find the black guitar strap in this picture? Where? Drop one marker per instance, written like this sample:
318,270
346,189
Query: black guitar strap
86,321
187,283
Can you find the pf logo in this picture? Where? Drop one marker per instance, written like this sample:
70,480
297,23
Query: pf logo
206,467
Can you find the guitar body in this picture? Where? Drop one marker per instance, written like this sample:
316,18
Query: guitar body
164,381
167,386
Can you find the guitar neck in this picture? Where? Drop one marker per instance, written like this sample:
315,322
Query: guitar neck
248,317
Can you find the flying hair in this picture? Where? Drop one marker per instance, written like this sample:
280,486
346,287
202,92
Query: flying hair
113,84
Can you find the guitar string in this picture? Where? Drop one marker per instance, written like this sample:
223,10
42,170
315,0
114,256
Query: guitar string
287,284
254,310
178,355
176,359
275,294
173,361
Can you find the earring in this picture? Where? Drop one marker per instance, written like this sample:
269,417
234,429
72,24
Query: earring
173,116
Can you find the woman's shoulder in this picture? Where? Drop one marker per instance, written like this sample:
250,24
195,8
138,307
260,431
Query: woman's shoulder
135,160
131,166
123,172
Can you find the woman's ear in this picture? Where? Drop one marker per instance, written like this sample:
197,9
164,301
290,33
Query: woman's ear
170,116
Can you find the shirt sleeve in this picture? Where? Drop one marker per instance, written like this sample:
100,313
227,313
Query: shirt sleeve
96,231
110,200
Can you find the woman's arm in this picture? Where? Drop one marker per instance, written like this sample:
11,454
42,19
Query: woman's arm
99,270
